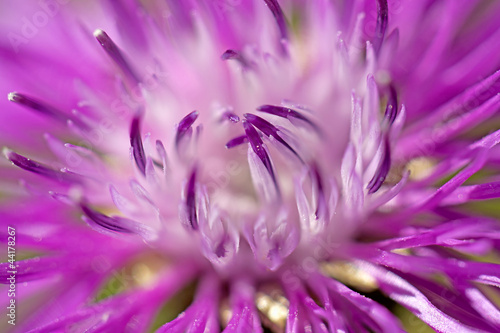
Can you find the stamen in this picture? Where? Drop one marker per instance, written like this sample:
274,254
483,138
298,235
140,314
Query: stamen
257,146
232,54
160,149
270,130
137,147
104,221
115,54
35,167
221,251
237,141
184,126
391,110
382,17
278,16
228,115
287,113
191,200
382,171
321,207
44,109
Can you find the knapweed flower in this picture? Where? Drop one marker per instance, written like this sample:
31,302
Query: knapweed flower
250,165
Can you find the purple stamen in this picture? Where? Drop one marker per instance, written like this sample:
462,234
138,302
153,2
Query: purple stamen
220,250
382,17
382,171
137,147
35,167
191,200
269,129
278,16
236,141
102,220
185,125
115,54
232,54
44,109
257,146
321,202
232,117
160,149
287,113
391,110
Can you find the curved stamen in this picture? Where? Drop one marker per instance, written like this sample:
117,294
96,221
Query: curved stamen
104,221
382,171
137,147
184,126
287,113
115,54
232,54
231,116
382,18
391,110
321,207
44,109
270,130
257,146
236,141
160,149
191,200
35,167
278,16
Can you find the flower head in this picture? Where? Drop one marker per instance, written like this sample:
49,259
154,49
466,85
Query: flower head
251,165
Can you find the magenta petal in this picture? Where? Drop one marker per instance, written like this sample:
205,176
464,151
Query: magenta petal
404,293
245,317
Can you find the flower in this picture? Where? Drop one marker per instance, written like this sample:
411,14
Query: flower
250,165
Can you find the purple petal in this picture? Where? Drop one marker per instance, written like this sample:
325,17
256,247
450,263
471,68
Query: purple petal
273,238
407,295
448,234
451,302
371,313
456,181
31,269
201,316
245,317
